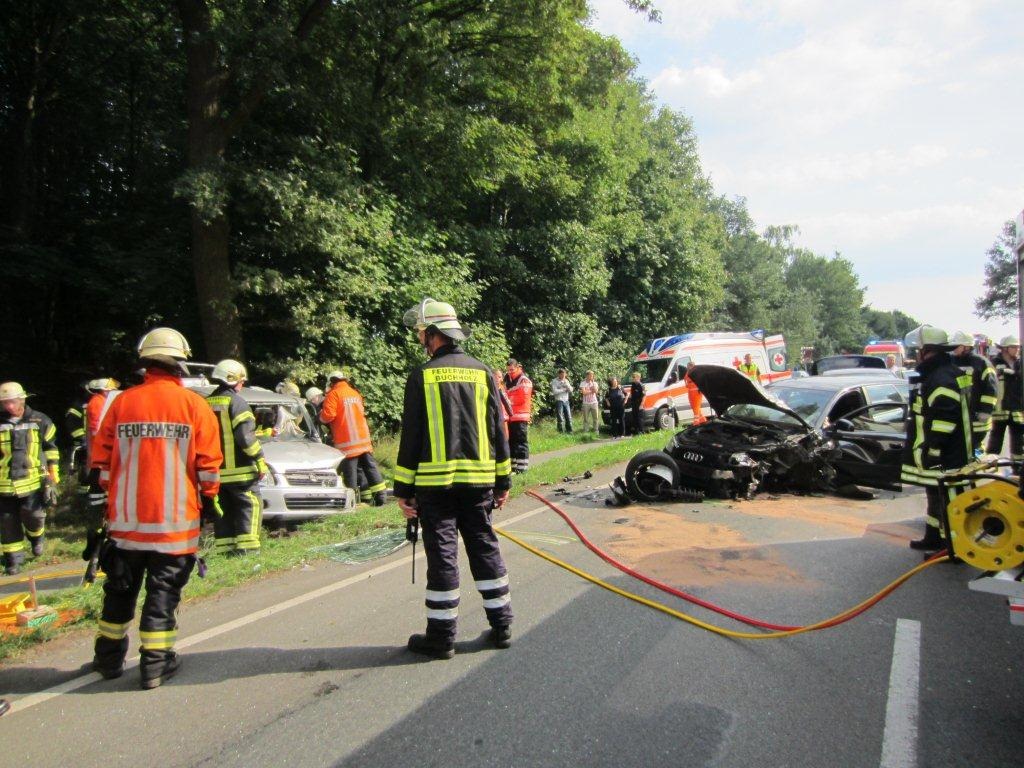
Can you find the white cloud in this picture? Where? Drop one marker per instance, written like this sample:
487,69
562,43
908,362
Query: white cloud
946,301
887,130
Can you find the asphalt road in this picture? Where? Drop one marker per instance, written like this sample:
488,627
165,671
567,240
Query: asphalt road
309,668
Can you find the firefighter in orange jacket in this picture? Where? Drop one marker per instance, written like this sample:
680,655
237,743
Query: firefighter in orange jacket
158,454
519,389
343,410
104,391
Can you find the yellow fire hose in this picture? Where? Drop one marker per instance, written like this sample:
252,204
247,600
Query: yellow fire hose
834,621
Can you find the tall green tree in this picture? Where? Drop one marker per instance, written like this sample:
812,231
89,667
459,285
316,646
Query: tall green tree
1000,297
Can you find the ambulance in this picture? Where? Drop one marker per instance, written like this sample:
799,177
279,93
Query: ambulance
883,348
662,367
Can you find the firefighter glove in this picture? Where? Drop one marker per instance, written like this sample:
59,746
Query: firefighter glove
50,495
211,508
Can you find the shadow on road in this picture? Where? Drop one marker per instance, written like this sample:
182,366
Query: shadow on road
208,667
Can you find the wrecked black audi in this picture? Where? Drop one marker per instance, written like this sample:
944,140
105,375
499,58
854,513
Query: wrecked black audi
817,434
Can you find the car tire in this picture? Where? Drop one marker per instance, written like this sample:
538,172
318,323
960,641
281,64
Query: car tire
651,476
664,418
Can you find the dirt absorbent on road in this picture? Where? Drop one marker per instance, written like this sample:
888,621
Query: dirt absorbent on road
669,545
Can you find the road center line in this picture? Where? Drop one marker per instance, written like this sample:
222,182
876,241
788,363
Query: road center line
21,704
899,741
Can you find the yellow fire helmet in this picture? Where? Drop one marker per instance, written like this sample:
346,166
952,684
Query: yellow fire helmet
1009,341
164,342
12,390
438,314
927,336
229,372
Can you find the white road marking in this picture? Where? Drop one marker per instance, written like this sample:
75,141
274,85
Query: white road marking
899,741
21,704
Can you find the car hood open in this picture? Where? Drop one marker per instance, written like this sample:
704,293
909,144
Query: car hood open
723,387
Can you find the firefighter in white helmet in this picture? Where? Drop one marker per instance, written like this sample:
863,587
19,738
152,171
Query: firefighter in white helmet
984,385
29,475
237,531
158,452
452,470
1008,414
938,426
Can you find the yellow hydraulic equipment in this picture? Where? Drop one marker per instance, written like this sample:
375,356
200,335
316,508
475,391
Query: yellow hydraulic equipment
987,526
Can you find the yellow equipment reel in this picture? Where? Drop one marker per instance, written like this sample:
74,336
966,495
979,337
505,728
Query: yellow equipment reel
987,526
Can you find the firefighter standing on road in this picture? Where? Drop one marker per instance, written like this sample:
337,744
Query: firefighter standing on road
1009,411
519,389
237,531
984,387
158,453
29,475
453,469
938,427
343,410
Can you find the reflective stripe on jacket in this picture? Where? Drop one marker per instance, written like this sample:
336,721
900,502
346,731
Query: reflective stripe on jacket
984,389
242,451
343,410
452,427
158,448
95,410
74,423
1008,405
520,395
28,449
938,422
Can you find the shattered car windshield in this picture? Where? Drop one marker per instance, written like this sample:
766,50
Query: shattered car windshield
807,403
760,413
651,371
277,422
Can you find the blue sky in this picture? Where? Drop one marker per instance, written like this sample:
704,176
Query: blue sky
889,132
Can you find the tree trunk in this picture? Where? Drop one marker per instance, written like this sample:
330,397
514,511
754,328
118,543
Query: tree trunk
218,313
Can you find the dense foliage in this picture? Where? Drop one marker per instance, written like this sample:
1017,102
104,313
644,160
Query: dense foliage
282,180
1000,296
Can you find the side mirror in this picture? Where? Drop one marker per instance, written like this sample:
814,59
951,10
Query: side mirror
844,425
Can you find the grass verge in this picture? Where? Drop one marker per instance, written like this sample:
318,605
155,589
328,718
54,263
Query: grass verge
294,551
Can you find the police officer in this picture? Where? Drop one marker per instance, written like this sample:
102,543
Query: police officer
158,452
1009,410
452,470
237,531
939,430
984,388
29,475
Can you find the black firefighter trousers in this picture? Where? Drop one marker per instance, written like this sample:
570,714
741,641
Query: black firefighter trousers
444,515
239,527
20,516
364,467
519,445
164,577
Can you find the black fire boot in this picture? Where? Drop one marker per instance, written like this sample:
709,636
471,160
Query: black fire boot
501,637
156,672
931,540
434,647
